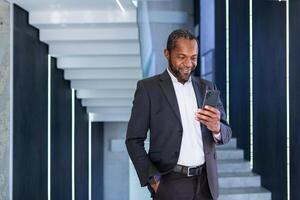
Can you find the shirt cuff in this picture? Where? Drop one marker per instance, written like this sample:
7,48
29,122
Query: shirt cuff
217,137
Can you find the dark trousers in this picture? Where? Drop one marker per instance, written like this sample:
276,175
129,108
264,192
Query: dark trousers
176,186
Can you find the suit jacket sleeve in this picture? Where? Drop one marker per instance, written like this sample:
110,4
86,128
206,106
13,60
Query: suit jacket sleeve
226,132
137,133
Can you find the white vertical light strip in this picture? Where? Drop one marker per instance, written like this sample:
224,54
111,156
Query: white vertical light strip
135,3
288,95
90,157
120,5
251,83
49,127
11,40
73,144
227,59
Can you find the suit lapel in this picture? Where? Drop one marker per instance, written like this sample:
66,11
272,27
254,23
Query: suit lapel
168,90
199,91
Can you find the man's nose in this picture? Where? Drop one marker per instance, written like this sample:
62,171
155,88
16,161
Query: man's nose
188,63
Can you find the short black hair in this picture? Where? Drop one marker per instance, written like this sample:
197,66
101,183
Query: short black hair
177,34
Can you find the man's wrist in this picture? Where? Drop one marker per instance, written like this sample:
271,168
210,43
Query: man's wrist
217,132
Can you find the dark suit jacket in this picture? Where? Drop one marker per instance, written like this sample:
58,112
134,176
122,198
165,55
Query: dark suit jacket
155,108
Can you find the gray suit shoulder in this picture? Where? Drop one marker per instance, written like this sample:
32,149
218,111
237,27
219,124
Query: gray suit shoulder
150,81
207,83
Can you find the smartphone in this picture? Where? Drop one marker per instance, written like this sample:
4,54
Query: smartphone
211,98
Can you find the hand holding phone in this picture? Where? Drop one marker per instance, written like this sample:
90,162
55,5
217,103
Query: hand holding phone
209,115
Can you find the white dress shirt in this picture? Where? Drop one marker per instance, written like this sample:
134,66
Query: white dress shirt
191,150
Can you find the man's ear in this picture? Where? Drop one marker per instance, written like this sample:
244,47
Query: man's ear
167,54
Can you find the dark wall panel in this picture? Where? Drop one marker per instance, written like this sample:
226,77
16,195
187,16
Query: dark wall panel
239,85
30,58
81,151
197,24
294,98
97,158
220,48
269,98
61,135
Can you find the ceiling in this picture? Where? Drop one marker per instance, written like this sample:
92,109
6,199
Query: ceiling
67,5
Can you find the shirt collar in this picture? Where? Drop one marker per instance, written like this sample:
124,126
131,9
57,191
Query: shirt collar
174,79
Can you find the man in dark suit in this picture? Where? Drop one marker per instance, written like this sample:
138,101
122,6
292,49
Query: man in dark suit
181,162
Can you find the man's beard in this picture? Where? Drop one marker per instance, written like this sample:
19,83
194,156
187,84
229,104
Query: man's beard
176,73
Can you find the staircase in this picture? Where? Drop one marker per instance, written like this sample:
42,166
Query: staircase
99,52
236,180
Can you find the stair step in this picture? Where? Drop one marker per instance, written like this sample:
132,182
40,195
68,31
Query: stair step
99,62
234,165
82,19
223,154
104,93
242,179
109,109
79,74
89,34
230,145
104,84
59,49
108,102
249,193
108,117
